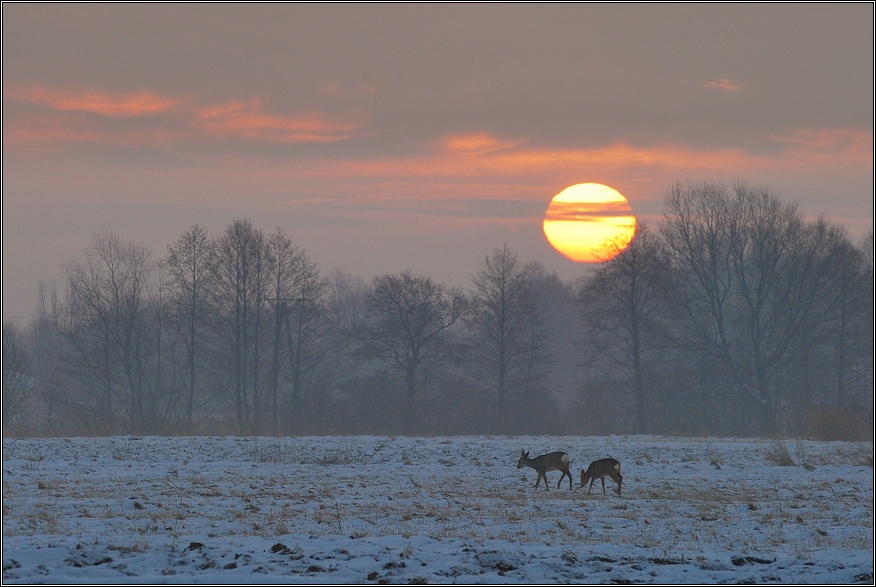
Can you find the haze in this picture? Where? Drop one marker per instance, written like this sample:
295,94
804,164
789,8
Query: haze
385,138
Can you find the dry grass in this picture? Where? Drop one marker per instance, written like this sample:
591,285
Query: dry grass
676,503
778,454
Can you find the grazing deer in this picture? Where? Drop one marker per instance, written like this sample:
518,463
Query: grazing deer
553,461
600,470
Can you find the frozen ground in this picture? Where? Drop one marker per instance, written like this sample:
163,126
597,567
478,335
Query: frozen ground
433,510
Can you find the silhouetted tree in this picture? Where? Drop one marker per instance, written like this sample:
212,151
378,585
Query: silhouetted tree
189,262
503,309
549,329
298,295
750,275
623,305
17,382
237,292
108,327
407,328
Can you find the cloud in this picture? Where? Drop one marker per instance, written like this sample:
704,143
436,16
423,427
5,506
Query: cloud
583,211
248,119
617,156
182,120
96,102
828,147
457,167
722,84
476,143
468,164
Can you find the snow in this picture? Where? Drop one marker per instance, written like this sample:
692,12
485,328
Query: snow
433,510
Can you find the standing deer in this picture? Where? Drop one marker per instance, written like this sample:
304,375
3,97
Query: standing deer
600,470
553,461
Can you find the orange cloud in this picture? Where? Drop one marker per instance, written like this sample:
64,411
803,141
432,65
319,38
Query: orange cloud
123,105
519,167
810,148
470,160
232,119
458,159
46,131
617,156
247,119
477,143
722,84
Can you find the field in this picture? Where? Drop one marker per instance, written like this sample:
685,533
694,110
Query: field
433,510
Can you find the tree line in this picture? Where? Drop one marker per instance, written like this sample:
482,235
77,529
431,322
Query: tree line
735,316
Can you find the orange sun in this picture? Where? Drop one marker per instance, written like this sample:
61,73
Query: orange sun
589,222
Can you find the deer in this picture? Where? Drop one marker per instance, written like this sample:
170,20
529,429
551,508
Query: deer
553,461
601,469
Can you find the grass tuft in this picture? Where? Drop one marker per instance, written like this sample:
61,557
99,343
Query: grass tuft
778,455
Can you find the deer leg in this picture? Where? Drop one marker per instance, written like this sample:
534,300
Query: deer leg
603,486
540,477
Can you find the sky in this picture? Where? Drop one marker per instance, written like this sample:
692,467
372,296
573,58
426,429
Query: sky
384,138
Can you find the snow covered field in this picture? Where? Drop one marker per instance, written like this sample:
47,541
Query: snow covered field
433,510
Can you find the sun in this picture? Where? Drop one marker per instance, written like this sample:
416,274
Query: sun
589,222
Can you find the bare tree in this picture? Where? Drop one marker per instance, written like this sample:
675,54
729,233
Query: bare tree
165,385
17,381
238,289
47,366
298,295
623,304
501,316
550,329
309,342
106,289
864,348
281,258
407,327
750,279
854,332
189,262
346,295
832,283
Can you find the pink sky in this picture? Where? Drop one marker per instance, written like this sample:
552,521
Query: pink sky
419,137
